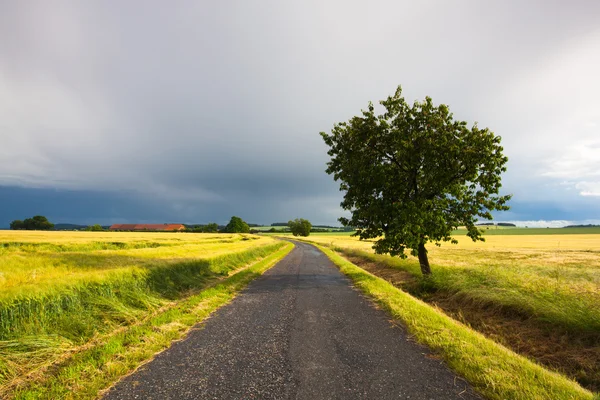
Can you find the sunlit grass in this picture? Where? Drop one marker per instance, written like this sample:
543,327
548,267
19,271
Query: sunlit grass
493,370
61,291
36,262
554,278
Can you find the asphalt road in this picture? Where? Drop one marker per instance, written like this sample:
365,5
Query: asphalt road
298,332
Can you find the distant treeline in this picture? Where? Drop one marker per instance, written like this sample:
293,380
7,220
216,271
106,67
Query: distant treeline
205,228
76,227
314,226
319,228
497,224
582,226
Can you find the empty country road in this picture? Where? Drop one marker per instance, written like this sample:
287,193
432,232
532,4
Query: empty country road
300,331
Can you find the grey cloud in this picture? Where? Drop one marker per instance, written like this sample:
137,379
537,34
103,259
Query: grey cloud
221,103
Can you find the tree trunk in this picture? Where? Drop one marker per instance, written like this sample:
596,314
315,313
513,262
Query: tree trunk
423,260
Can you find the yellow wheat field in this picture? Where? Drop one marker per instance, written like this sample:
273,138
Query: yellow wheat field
34,261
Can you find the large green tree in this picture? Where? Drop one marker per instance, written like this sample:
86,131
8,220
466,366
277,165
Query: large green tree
237,225
300,227
414,174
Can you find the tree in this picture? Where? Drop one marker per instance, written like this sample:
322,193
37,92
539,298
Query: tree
17,224
300,227
38,223
237,225
95,228
210,228
413,174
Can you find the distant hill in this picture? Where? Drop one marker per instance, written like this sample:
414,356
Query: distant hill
72,227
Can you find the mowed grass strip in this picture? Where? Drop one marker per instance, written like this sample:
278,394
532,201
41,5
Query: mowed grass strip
95,367
492,369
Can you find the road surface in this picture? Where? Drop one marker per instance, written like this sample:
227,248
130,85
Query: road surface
298,332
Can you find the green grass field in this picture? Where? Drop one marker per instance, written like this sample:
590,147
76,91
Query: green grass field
64,292
539,294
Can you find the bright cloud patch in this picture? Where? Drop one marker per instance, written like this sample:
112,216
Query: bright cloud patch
553,223
589,188
579,166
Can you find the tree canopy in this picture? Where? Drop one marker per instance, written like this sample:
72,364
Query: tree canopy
210,228
414,174
38,223
237,225
300,227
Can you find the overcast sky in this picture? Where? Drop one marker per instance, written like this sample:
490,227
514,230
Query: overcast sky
192,111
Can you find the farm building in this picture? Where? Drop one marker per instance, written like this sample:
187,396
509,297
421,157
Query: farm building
147,227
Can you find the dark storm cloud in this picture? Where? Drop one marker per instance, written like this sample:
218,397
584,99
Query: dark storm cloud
203,110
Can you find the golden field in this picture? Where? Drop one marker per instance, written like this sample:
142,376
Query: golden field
68,295
537,294
35,261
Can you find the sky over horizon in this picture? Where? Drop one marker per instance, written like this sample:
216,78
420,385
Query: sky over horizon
192,112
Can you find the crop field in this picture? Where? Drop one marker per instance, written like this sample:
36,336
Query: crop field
537,294
62,293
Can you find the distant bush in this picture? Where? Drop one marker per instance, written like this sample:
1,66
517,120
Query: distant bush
94,228
237,225
211,228
300,227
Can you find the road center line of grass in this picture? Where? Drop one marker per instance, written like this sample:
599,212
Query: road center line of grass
493,370
89,371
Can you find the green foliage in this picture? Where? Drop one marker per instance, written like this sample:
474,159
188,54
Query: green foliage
210,228
300,227
16,225
237,225
413,174
37,223
94,228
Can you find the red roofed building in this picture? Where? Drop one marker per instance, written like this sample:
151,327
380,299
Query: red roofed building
147,227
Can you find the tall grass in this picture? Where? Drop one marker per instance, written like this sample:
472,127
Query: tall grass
493,370
59,260
102,288
539,295
84,371
553,279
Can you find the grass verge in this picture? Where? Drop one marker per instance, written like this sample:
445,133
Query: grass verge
493,370
81,372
